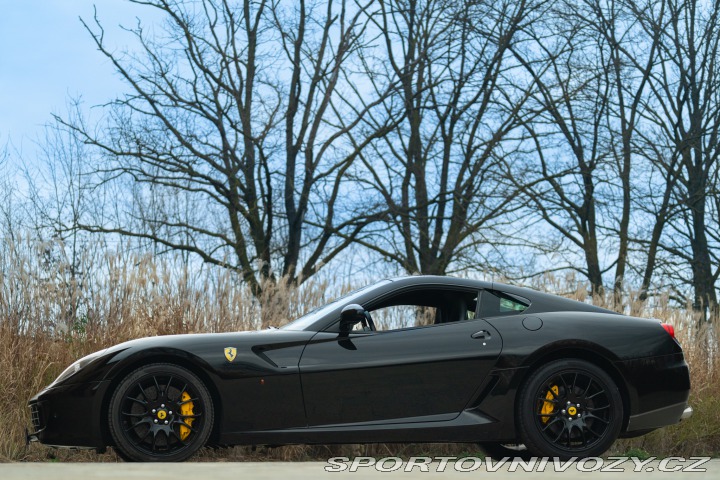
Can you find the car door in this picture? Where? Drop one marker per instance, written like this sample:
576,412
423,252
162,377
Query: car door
411,374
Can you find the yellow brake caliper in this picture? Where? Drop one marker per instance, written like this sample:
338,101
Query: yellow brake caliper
186,409
548,407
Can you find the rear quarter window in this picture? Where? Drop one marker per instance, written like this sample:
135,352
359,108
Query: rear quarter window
494,303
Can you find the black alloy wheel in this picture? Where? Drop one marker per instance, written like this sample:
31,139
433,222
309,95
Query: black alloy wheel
569,408
160,412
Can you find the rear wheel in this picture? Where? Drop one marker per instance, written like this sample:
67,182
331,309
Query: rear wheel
160,412
569,408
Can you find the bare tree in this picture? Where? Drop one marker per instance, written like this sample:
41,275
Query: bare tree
570,138
5,188
632,57
441,171
685,110
230,104
59,198
593,70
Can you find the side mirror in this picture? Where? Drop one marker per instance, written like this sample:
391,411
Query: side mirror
350,315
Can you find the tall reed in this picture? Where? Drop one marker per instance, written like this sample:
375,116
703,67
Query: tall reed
52,314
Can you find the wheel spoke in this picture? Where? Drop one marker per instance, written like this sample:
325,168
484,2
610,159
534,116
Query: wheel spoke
565,385
543,399
551,423
183,442
167,439
157,387
147,433
142,390
594,417
586,428
569,432
550,391
595,409
137,424
574,382
185,424
181,392
154,439
595,394
543,415
141,402
188,401
137,415
196,415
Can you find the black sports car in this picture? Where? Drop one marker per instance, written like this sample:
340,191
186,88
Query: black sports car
413,359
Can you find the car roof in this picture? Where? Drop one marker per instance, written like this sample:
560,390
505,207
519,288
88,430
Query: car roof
541,301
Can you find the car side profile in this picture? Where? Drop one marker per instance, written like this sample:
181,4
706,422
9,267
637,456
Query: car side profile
411,359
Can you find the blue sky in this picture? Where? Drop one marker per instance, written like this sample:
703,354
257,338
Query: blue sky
46,57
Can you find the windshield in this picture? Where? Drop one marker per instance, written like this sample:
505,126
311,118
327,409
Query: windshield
316,314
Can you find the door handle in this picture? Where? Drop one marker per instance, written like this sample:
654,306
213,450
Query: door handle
482,335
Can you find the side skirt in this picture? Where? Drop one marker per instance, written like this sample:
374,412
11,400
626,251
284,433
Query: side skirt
469,426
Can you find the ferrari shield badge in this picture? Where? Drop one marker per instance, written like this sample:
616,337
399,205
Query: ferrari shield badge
230,353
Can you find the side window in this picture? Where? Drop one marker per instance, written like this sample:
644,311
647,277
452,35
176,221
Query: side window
422,307
403,316
494,303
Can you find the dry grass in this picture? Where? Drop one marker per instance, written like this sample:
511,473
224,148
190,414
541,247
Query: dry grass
47,320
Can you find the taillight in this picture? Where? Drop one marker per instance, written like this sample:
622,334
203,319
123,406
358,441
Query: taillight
669,328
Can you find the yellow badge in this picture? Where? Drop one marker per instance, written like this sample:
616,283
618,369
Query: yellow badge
230,353
162,415
572,410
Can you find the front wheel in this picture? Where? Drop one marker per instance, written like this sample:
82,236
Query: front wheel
160,413
569,408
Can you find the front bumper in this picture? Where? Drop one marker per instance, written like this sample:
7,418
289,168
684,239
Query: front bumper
69,416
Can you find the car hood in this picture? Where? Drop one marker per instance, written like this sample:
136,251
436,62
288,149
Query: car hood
184,340
203,350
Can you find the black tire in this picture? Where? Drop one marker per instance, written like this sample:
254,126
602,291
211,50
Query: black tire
151,422
498,451
569,408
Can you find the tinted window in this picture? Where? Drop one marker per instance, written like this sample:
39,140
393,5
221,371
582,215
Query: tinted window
403,316
424,306
494,303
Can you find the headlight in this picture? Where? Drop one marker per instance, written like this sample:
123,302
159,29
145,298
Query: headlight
76,367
